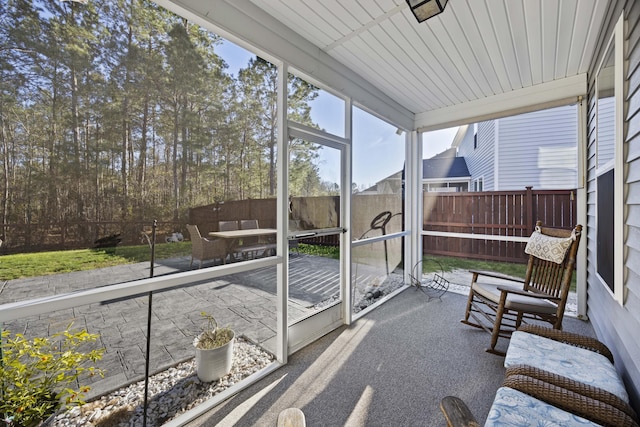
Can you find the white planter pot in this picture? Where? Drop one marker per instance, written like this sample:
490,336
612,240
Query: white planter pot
213,364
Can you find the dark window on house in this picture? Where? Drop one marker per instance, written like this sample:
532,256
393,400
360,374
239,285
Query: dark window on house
475,136
605,221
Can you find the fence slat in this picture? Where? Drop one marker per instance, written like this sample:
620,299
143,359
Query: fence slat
501,213
505,213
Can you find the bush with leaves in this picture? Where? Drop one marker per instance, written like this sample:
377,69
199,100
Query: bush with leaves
40,376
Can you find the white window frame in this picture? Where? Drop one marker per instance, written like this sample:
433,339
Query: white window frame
478,182
617,164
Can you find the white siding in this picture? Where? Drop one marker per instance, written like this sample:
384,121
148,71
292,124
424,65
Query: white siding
480,160
618,326
538,149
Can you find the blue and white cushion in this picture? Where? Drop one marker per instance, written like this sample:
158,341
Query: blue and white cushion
573,362
514,408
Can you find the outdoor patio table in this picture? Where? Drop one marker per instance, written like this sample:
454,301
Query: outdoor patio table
233,237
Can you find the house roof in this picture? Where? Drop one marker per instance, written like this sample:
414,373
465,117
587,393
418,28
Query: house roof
445,168
491,56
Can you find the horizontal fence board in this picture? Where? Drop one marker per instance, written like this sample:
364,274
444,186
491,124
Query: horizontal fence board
495,213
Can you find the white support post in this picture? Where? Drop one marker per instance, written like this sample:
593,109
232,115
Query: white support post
581,207
282,243
346,237
413,201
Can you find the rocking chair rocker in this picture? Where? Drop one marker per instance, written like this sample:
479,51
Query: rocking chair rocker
501,308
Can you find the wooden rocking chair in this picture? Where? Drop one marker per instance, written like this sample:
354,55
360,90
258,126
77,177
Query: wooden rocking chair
501,308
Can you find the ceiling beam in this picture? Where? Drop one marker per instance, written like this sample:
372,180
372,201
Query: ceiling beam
546,95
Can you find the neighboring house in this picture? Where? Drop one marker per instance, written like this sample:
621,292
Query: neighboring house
535,149
389,185
445,172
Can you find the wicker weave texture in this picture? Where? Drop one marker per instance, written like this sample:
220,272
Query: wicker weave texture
583,406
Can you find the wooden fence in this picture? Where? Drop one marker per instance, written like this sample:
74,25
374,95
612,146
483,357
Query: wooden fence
455,224
23,238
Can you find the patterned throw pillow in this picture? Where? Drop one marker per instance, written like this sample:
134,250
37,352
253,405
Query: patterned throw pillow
548,248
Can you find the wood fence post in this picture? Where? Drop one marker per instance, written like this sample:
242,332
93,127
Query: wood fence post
529,201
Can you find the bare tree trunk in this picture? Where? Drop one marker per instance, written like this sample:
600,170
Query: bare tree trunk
5,171
77,173
174,163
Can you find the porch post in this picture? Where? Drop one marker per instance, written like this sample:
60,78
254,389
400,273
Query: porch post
581,207
413,205
345,220
282,215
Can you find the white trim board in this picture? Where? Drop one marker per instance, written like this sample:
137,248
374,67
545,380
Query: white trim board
532,98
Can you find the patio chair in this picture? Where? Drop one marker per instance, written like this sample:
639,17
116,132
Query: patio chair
204,249
227,225
247,224
247,242
500,307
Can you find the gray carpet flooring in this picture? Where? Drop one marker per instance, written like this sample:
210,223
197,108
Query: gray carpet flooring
390,368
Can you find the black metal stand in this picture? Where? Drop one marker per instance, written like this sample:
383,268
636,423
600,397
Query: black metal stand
148,358
434,286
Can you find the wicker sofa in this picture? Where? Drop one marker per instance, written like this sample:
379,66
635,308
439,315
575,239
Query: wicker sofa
559,377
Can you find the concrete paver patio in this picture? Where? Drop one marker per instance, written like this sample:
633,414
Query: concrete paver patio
244,301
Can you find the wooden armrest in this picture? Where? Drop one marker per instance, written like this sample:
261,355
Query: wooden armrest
477,273
528,294
291,417
457,413
583,389
569,338
567,400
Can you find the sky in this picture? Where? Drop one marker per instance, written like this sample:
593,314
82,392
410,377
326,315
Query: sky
380,138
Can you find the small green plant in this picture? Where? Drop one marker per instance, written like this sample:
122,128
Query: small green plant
40,376
212,336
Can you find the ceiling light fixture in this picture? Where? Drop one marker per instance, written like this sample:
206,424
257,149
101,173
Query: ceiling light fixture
425,9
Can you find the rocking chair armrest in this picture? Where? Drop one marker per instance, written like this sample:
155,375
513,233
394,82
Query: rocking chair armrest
528,294
577,340
457,413
495,275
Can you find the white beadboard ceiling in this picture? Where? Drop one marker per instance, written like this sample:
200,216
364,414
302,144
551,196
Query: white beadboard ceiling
475,49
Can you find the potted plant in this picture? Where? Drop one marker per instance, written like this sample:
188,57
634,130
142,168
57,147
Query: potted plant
40,376
214,350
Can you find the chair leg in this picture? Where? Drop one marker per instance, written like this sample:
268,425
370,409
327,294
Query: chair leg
495,333
469,303
519,320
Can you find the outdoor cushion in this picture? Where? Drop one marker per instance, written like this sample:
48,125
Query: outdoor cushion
548,248
573,362
514,408
515,302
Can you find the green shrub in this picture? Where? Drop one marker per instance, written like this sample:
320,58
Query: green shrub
40,376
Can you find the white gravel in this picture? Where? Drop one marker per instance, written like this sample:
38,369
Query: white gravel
171,392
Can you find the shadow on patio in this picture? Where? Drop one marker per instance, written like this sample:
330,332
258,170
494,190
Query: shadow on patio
391,367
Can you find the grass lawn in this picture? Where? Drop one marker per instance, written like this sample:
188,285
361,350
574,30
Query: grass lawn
450,264
44,263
